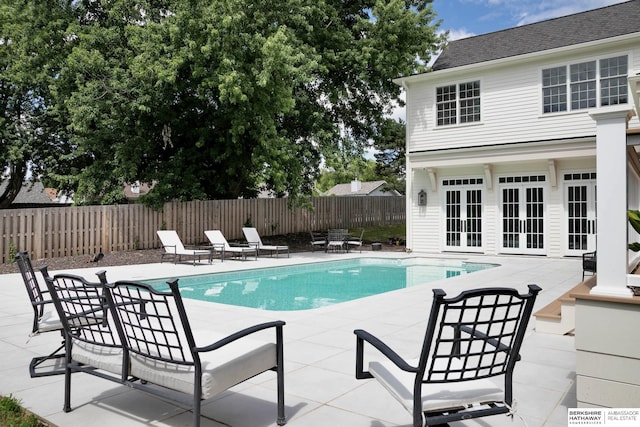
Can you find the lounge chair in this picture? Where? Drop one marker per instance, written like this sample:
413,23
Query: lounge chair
337,239
469,339
45,316
174,248
253,238
219,243
355,242
318,241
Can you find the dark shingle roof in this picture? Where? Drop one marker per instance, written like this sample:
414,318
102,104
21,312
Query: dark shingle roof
31,193
597,24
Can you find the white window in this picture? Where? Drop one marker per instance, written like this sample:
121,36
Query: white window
554,89
613,81
582,83
458,103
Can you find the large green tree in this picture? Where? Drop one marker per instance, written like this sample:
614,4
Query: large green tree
220,98
30,50
390,143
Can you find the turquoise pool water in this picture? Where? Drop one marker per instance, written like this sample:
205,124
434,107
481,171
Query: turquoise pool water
307,286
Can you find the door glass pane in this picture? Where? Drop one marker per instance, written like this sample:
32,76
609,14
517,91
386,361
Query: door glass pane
453,218
510,218
577,209
474,218
534,228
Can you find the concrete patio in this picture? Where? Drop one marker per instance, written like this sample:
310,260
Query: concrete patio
320,388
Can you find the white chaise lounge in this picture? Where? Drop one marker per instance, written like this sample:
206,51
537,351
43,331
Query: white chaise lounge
174,248
253,238
219,243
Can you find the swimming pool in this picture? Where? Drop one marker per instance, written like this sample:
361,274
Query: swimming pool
307,286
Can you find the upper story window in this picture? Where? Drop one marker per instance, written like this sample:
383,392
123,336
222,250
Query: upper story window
613,81
579,88
458,103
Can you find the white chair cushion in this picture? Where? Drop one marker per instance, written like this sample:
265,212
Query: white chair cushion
434,396
274,247
98,356
221,369
50,321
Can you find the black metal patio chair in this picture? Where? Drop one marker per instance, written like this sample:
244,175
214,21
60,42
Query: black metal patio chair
469,339
45,318
589,264
337,240
161,348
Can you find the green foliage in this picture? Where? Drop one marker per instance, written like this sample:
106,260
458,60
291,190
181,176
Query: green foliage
342,169
12,414
12,252
207,99
390,157
382,233
634,220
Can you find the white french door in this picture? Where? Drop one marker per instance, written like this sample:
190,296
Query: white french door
463,214
580,208
522,210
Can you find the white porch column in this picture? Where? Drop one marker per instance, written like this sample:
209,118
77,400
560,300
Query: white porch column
611,163
410,199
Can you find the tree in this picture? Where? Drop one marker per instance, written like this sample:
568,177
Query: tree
342,169
390,156
30,46
221,98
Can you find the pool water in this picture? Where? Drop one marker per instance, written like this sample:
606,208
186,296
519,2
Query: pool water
308,286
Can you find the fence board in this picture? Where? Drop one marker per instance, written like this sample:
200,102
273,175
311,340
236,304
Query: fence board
66,231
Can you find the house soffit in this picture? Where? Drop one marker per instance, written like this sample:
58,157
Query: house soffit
505,153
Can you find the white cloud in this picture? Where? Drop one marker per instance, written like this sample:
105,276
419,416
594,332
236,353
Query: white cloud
536,11
459,33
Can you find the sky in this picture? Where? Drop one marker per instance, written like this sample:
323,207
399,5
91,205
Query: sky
466,18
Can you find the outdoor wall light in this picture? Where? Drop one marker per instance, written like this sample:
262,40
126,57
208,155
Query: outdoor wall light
422,198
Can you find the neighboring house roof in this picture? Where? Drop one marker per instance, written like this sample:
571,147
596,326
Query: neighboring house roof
597,24
361,188
32,193
137,189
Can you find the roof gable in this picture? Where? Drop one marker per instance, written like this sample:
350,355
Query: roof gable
598,24
366,187
30,194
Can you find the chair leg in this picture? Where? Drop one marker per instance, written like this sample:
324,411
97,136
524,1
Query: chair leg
280,376
37,361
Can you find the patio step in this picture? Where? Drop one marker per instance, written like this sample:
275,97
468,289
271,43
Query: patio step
559,316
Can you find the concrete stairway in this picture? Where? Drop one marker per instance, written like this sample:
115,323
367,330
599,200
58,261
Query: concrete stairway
559,316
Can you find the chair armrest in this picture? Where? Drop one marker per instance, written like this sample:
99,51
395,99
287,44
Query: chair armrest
491,341
278,324
43,302
198,247
241,245
363,336
166,248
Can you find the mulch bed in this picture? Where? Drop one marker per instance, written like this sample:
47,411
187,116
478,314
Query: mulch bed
298,242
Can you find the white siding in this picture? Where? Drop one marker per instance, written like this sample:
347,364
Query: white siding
511,106
511,112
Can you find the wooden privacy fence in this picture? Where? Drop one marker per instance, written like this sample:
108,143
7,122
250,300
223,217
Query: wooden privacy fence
66,231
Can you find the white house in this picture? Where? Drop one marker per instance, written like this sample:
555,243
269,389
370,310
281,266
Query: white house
526,141
501,135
